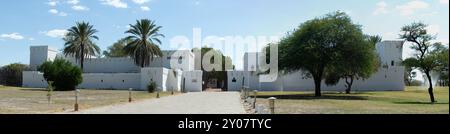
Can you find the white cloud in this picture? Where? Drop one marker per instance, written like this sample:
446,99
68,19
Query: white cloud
411,7
73,2
14,36
140,2
55,33
80,8
145,8
381,8
56,12
433,29
443,2
53,11
52,3
31,39
197,3
115,3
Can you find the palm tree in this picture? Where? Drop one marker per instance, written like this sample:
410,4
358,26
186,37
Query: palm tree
79,42
144,42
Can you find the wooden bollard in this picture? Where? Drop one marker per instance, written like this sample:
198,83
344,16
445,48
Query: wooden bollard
130,99
255,93
157,92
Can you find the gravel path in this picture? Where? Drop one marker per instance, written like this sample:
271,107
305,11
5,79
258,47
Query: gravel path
189,103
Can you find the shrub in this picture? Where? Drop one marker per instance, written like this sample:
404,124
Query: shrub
64,75
11,75
151,87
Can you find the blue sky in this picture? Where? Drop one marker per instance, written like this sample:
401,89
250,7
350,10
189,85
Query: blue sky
26,23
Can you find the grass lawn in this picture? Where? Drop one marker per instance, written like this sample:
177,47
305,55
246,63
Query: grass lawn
414,100
17,100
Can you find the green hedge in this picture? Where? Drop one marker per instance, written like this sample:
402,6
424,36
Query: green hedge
65,76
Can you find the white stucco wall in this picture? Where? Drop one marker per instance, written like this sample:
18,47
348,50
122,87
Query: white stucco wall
152,74
41,54
388,77
110,81
193,81
33,79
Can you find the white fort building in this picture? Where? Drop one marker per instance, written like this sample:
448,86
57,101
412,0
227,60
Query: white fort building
176,71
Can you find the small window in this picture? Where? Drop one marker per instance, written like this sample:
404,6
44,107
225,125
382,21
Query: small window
169,58
102,81
123,81
392,63
180,60
234,80
194,80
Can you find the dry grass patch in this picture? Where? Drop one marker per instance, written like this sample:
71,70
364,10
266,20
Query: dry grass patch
17,100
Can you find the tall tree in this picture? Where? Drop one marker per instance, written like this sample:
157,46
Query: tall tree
374,39
426,56
358,59
117,49
79,42
145,38
11,74
314,46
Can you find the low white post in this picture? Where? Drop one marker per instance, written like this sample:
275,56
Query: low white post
272,105
77,92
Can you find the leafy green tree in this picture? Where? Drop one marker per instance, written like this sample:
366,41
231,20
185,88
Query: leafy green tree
117,49
145,38
319,45
442,53
64,75
374,39
79,42
357,59
11,74
409,64
427,55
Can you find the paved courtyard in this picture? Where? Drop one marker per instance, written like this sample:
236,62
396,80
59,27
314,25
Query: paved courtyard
189,103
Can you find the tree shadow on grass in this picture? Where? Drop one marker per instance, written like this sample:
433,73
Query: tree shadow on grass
34,89
312,97
419,103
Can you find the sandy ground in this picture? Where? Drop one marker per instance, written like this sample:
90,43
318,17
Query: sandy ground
189,103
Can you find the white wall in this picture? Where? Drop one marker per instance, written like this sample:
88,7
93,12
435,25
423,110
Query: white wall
389,77
110,81
110,65
193,81
235,80
152,74
35,79
173,81
41,54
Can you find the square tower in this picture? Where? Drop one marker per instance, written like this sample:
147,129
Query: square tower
41,54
